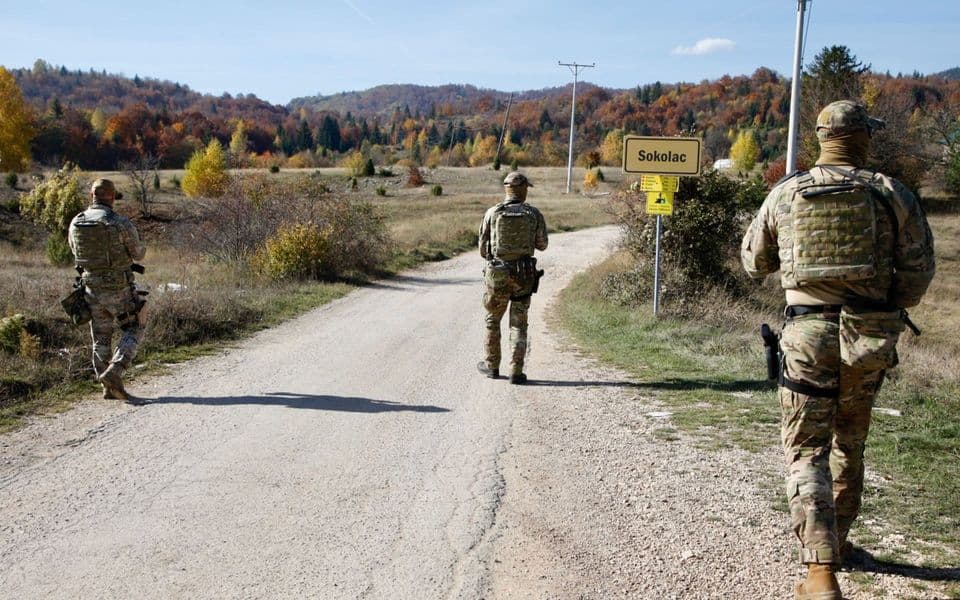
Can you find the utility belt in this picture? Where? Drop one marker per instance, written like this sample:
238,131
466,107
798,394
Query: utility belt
107,278
869,332
523,269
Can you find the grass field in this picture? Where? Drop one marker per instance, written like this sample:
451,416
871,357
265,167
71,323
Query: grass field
49,367
710,374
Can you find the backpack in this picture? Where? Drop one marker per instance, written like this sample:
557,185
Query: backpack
513,231
97,244
835,231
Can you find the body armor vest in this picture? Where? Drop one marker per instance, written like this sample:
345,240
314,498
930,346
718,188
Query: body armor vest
513,231
98,246
833,231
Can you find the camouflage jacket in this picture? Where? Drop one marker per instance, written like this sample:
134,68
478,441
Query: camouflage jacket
540,236
765,246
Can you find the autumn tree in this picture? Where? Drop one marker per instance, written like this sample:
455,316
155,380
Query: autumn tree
238,145
745,151
16,125
206,172
611,151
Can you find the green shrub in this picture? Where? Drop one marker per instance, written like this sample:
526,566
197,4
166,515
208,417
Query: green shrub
13,205
58,250
156,181
53,203
368,169
514,165
10,330
600,176
496,164
274,168
11,180
699,241
299,251
175,181
385,172
436,190
381,191
953,174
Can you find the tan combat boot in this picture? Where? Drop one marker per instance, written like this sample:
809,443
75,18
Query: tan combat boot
821,584
112,382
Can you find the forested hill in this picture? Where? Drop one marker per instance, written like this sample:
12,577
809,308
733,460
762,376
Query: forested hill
46,84
97,120
449,99
950,74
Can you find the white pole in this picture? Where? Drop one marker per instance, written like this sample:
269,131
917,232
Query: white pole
573,112
795,91
656,270
575,69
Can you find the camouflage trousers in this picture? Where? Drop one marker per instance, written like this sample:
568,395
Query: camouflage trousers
823,437
108,306
504,289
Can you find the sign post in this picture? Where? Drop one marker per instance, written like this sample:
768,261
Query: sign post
661,161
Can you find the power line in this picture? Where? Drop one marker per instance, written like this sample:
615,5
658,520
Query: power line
575,69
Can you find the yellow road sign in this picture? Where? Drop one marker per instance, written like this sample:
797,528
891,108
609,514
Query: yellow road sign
660,203
659,183
661,155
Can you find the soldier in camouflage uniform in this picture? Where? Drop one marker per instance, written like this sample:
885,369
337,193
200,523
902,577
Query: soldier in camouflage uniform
509,234
105,245
854,249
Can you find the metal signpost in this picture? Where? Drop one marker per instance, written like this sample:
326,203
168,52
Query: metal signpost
661,161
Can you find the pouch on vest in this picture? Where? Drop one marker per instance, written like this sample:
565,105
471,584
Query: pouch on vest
834,233
76,307
512,232
496,274
868,340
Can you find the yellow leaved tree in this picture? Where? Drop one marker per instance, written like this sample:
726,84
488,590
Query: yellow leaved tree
206,172
16,125
745,151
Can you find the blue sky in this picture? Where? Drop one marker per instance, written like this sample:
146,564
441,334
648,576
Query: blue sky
284,49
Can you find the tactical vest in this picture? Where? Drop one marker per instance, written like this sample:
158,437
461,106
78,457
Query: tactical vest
832,231
513,231
98,246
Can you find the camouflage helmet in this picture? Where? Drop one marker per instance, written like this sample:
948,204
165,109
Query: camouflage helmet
516,179
844,117
103,188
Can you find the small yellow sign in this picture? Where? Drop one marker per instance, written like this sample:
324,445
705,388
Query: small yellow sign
659,183
661,155
660,203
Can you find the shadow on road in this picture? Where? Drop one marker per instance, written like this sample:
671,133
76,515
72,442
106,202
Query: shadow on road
410,283
304,401
667,384
863,561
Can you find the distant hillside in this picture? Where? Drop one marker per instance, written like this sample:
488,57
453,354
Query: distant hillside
950,74
111,93
450,99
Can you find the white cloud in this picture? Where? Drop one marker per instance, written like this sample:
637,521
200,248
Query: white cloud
705,46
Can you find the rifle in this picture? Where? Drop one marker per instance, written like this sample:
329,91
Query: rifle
771,348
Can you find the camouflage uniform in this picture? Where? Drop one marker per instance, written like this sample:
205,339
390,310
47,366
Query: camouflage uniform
849,263
108,279
509,273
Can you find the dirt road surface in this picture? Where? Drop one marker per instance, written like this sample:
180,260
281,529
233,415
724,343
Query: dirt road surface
355,452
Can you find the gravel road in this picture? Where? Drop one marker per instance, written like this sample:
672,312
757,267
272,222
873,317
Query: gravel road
354,452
